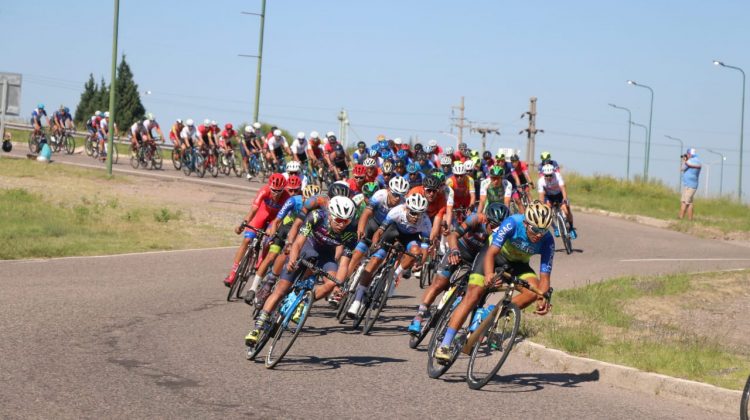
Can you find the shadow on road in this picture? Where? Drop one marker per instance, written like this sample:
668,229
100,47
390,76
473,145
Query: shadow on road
311,363
528,382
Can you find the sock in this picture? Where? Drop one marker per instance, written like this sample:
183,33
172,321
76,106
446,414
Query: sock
420,312
398,271
448,339
233,272
360,293
256,283
262,318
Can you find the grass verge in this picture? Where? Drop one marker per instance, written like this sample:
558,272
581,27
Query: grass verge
679,325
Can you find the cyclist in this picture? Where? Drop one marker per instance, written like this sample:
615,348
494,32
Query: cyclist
299,148
61,120
250,145
400,168
439,203
464,242
277,232
446,165
36,118
552,190
336,158
425,165
277,148
92,123
103,134
495,189
358,179
384,178
522,171
189,136
513,243
487,163
225,139
371,170
320,201
546,158
415,175
463,191
266,205
151,124
361,153
407,224
293,168
315,150
462,153
326,234
174,132
510,173
256,129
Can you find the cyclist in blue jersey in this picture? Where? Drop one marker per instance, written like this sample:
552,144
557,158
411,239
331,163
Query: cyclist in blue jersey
406,223
61,119
326,233
415,176
384,178
425,165
359,155
36,118
513,243
465,242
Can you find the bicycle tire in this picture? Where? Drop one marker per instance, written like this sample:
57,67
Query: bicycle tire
351,289
564,234
416,340
377,303
265,335
435,369
156,159
200,168
745,402
88,146
248,273
70,144
33,143
240,272
485,346
135,159
307,299
213,170
423,276
176,159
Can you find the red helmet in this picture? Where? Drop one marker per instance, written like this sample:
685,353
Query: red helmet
359,170
277,181
228,126
294,183
405,146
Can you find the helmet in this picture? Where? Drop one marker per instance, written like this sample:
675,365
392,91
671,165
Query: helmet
277,181
293,166
691,151
386,154
400,164
387,167
445,160
40,106
500,156
416,202
310,190
372,153
402,154
189,122
339,189
380,137
398,185
538,215
361,145
469,165
429,149
62,107
432,143
459,169
474,153
66,109
514,158
418,147
545,156
314,135
496,213
369,189
98,113
462,146
331,139
293,183
548,169
256,125
178,121
412,168
383,144
421,156
213,123
448,150
228,126
359,170
369,163
341,207
206,122
487,155
331,134
301,135
398,140
440,177
497,170
150,116
248,129
277,132
432,182
106,114
7,146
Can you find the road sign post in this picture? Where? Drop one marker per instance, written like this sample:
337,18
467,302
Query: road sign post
10,98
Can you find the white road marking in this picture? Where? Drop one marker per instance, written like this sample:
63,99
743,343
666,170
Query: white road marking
78,257
684,259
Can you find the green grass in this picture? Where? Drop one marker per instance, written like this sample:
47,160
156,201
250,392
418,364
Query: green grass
598,321
654,199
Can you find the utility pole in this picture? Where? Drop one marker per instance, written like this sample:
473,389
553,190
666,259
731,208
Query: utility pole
343,123
113,91
484,131
531,132
461,124
262,16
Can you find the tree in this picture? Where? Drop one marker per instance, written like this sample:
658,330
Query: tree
85,105
129,106
102,97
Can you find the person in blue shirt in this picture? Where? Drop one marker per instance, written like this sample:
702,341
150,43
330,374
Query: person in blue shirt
362,153
61,119
36,118
415,175
691,170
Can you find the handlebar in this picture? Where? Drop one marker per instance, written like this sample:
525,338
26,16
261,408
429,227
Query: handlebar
398,247
318,272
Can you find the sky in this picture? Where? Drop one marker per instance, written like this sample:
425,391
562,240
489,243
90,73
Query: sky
399,68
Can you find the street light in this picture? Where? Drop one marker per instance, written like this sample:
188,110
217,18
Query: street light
650,120
721,177
742,121
630,120
682,148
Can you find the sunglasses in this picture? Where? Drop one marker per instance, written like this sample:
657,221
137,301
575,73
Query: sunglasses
294,191
359,177
430,190
548,176
536,230
495,178
415,213
340,221
276,191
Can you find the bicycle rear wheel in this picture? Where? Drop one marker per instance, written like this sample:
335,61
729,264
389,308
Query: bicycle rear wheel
70,144
427,325
240,274
176,161
493,347
286,334
266,334
88,146
435,369
562,227
744,404
156,159
33,143
200,167
377,303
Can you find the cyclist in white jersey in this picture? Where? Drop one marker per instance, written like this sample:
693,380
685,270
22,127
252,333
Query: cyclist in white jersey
551,188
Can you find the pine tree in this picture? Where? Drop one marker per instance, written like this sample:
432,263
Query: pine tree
129,106
102,97
85,105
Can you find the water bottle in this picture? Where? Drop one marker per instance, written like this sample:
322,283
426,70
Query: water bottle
479,316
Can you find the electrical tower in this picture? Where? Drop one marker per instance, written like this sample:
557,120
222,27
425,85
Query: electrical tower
531,132
484,131
343,125
461,124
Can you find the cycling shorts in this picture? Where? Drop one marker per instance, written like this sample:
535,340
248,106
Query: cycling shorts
326,259
370,229
392,235
520,269
445,268
553,198
280,238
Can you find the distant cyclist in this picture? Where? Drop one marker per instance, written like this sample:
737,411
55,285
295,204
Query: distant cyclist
552,190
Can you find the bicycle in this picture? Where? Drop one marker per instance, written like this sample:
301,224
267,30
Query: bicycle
177,156
496,335
246,268
744,408
63,141
192,161
147,153
228,163
428,268
211,162
348,289
562,226
36,140
89,144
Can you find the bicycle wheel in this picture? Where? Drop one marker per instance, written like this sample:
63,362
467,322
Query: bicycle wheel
427,325
744,406
213,168
200,167
286,334
241,268
156,159
135,159
564,233
435,369
115,154
70,144
494,346
377,303
350,294
33,143
88,146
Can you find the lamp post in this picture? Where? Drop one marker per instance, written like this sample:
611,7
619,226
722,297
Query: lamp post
682,150
650,120
721,177
742,120
645,129
630,120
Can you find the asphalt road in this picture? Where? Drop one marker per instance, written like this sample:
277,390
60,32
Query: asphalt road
132,336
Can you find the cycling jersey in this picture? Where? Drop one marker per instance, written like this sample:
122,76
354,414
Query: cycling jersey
189,134
472,237
354,186
359,157
439,203
319,201
61,117
289,211
515,245
315,148
551,186
495,194
320,234
274,143
138,130
382,182
379,205
103,128
268,207
36,116
150,125
397,216
462,191
174,133
298,148
93,123
339,154
415,179
521,171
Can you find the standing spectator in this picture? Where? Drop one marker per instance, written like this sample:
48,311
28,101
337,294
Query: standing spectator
691,170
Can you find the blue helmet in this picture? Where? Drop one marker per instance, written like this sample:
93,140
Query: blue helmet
67,110
40,106
386,154
383,144
402,154
412,168
373,153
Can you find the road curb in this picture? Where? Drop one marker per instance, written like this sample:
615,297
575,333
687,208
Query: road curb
690,392
644,220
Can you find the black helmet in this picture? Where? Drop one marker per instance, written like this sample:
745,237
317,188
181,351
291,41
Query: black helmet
431,182
7,146
361,145
514,158
487,155
418,147
496,213
400,164
338,189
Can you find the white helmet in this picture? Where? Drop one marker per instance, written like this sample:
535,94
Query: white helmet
548,169
206,122
213,123
448,150
150,116
314,135
369,163
277,132
469,165
189,122
301,135
342,207
293,166
398,141
330,133
98,113
445,160
398,185
256,125
248,129
106,114
432,143
178,121
429,149
416,202
459,168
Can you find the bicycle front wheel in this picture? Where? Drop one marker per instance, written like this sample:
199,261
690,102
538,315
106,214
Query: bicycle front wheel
88,146
377,303
286,334
493,347
564,233
156,160
70,144
744,406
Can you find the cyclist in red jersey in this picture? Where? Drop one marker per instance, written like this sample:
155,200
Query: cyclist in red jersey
522,171
439,206
358,180
371,170
463,189
266,205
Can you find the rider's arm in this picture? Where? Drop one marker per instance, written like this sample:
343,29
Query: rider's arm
540,188
295,250
366,214
489,262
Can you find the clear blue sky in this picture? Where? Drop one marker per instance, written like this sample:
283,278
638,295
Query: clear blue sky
398,67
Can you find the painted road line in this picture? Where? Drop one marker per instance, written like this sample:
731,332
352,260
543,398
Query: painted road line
78,257
683,259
